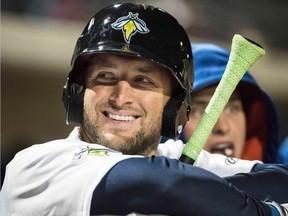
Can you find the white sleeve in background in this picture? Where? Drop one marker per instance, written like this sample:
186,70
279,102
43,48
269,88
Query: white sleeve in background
223,165
172,149
218,164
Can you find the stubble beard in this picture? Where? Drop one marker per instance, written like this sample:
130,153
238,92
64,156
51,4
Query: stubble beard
144,142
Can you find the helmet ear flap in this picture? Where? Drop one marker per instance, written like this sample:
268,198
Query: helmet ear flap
176,111
175,116
72,98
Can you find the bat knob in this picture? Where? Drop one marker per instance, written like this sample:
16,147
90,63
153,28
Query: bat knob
186,159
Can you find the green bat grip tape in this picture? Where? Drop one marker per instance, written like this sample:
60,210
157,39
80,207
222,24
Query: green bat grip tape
244,53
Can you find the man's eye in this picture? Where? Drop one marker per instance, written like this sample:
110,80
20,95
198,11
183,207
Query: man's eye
197,111
234,107
106,76
102,78
143,81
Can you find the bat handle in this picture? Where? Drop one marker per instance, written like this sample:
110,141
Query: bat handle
186,159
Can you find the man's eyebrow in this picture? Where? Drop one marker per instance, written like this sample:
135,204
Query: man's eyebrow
104,63
235,96
145,69
200,101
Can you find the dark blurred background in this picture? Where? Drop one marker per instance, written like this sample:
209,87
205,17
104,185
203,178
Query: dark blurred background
38,38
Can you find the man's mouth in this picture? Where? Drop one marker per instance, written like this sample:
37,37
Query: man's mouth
119,117
223,148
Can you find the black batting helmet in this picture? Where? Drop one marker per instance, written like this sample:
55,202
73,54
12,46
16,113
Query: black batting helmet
142,31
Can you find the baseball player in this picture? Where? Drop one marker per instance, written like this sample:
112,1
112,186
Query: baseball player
129,84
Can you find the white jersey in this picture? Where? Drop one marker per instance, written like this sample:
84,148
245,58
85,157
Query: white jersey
65,173
218,164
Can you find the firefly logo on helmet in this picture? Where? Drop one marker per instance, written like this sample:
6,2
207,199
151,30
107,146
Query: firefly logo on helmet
130,25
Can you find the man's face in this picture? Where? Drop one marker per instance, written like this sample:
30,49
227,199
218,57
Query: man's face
123,103
229,134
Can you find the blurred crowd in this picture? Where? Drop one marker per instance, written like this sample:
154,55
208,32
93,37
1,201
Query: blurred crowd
205,18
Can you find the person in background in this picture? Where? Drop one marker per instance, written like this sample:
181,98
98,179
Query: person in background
132,70
248,127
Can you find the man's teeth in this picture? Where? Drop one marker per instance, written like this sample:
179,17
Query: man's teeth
228,152
121,118
223,148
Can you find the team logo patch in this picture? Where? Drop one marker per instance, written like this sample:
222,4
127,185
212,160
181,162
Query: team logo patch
85,151
231,160
130,25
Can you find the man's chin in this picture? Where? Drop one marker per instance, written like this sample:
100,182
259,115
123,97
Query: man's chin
117,141
116,137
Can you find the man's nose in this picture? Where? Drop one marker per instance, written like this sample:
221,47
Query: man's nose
221,127
122,94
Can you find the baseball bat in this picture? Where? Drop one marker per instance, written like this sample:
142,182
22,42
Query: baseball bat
244,53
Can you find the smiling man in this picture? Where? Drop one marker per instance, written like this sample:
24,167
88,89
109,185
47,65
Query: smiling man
129,84
116,112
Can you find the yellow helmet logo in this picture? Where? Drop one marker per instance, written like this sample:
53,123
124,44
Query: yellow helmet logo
130,25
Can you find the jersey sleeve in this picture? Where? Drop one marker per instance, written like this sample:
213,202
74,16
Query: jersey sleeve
216,163
158,185
265,181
